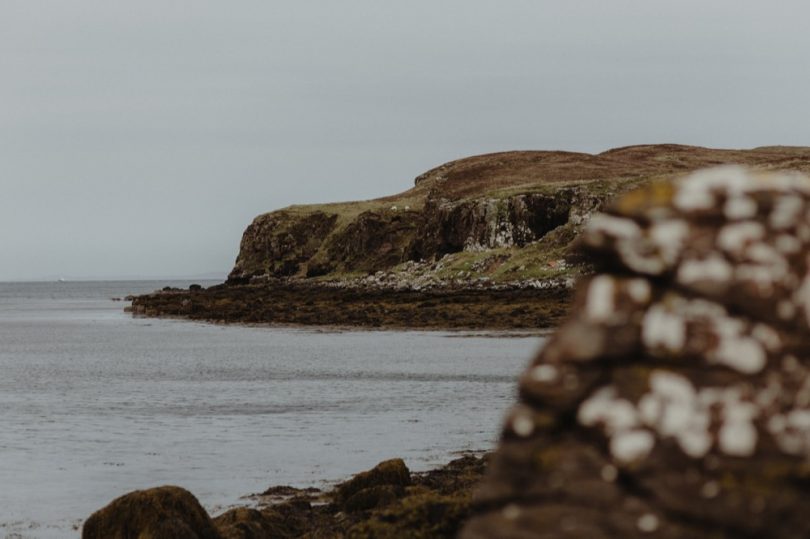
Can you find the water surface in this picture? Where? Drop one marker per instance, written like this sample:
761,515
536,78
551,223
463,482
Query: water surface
95,403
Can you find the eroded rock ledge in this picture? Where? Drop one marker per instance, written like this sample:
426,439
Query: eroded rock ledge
675,401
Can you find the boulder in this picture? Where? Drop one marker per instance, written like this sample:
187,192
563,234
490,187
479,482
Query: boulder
379,486
166,512
675,400
247,523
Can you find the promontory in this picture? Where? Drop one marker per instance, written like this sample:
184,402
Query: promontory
484,242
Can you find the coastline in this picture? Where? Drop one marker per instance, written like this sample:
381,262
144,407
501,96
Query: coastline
312,305
388,500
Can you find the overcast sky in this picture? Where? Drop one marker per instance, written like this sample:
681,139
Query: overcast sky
140,138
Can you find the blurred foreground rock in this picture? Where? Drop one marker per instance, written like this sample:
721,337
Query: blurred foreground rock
675,401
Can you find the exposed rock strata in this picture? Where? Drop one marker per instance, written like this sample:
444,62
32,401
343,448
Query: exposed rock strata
675,402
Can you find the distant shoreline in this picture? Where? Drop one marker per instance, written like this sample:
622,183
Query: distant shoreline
309,305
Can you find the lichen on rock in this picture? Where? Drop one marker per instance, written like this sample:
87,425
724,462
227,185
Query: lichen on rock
675,401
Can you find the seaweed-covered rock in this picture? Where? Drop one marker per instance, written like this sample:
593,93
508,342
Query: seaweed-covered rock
248,523
675,401
424,515
374,488
159,513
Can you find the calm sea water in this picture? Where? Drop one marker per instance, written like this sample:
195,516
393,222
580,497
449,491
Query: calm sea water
95,403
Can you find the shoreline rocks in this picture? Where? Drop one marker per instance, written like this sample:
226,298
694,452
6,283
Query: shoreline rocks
336,306
386,501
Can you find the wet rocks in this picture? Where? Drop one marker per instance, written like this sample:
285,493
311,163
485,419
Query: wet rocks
675,401
158,513
379,486
531,307
386,501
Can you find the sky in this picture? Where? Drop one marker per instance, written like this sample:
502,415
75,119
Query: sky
139,139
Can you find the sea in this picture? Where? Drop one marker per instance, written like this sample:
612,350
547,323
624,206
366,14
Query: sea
95,403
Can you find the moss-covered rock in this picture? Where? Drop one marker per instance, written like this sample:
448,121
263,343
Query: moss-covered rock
421,515
159,513
373,488
247,523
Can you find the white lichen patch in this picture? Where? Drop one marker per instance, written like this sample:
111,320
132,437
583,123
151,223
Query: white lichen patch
740,207
734,342
786,212
619,420
639,290
791,431
697,419
788,245
697,192
603,229
673,410
544,373
738,436
663,330
600,305
631,445
521,422
648,523
669,237
712,274
648,251
734,350
735,237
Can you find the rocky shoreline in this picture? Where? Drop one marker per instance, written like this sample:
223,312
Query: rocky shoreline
485,242
386,501
331,304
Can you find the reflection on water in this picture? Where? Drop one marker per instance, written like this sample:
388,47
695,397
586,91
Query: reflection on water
95,403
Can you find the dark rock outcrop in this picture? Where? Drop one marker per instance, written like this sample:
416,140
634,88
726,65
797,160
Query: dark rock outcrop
373,240
158,513
377,487
279,244
675,401
489,223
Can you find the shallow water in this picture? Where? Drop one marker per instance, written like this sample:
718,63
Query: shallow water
95,403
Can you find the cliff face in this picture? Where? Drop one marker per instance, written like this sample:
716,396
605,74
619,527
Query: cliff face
486,217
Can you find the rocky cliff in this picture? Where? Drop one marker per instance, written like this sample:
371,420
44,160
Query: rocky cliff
503,218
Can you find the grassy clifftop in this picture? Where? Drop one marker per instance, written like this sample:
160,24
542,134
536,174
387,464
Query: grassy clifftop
502,218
